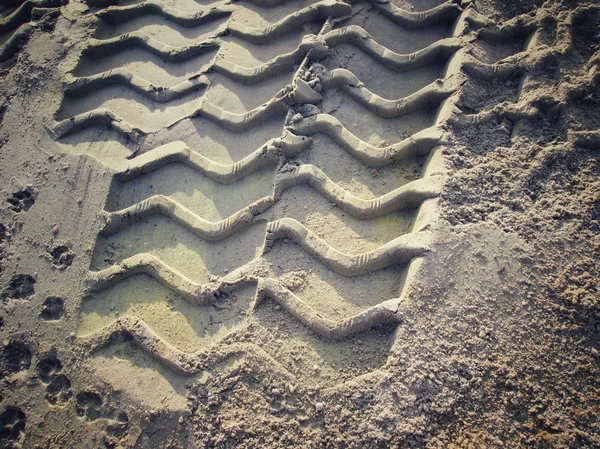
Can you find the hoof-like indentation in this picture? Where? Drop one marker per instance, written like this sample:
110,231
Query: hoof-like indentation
62,256
53,308
22,200
12,426
47,367
21,286
15,357
88,405
58,390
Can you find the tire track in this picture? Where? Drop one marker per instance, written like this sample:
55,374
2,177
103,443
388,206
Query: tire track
529,30
301,103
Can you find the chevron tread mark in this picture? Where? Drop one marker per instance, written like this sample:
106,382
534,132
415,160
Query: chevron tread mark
279,161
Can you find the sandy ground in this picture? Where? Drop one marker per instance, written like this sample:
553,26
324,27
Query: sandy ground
261,224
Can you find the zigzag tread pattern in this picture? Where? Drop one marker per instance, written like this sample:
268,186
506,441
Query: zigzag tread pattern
311,82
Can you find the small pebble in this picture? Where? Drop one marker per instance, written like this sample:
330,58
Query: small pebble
319,407
275,392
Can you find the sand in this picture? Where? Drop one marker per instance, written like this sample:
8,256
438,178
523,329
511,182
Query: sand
270,223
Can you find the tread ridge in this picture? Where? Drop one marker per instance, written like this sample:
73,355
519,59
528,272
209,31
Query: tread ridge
115,15
81,86
99,48
195,293
177,152
445,12
383,313
236,122
180,361
436,52
432,94
398,251
409,196
322,9
418,144
207,230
